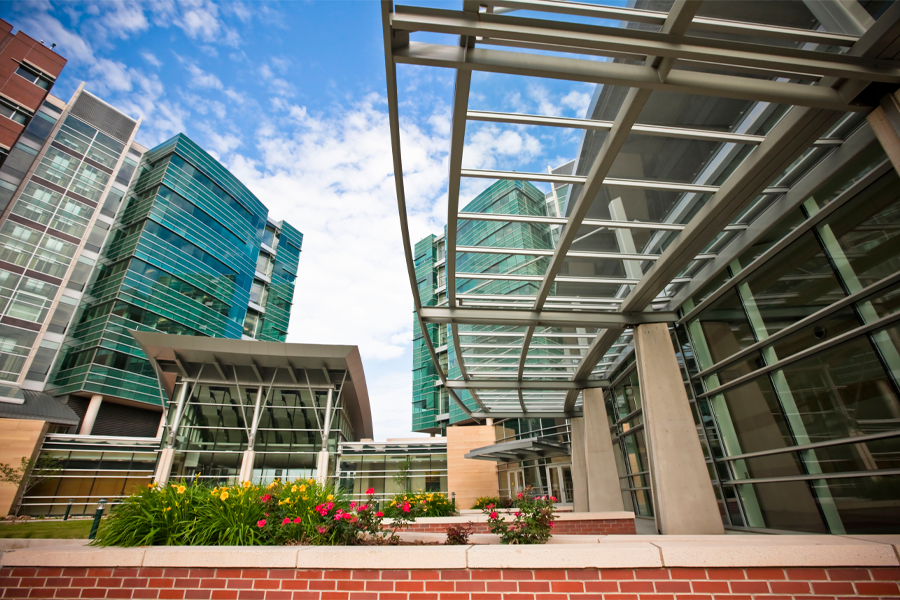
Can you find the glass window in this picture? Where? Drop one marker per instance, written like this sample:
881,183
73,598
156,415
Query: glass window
29,75
62,315
20,160
11,111
250,322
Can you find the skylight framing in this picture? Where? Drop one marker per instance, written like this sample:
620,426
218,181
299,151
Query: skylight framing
839,80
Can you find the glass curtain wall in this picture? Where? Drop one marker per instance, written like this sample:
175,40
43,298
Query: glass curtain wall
99,467
217,423
791,360
392,468
551,475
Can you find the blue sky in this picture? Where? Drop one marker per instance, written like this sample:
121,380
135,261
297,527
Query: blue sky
291,98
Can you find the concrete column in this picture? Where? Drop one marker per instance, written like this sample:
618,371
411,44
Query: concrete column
246,472
579,467
164,466
87,425
604,492
322,466
682,492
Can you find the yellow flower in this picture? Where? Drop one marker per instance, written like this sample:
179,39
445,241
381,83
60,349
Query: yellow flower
329,497
304,497
293,488
224,496
270,486
168,508
310,480
181,489
150,485
247,484
302,488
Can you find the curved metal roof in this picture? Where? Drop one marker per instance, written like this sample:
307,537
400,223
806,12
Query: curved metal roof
252,362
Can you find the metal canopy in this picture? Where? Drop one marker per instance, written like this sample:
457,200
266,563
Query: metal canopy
261,365
519,450
779,95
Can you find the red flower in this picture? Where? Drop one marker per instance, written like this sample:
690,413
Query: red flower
322,529
553,498
551,524
520,495
362,507
494,515
370,491
353,505
518,514
261,523
296,519
489,506
405,506
379,514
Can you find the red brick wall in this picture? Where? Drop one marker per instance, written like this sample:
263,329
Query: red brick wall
488,584
586,527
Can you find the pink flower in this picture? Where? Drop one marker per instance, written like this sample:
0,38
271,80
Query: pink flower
267,514
494,515
489,506
286,521
379,514
296,519
338,516
322,529
363,507
370,491
520,495
551,524
349,517
518,514
553,498
353,505
261,523
405,506
265,498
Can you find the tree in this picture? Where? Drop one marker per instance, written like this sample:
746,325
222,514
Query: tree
404,474
29,474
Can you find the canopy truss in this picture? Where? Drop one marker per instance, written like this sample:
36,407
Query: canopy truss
787,98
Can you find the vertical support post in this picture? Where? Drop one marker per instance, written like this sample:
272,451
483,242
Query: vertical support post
683,495
322,459
179,412
603,490
579,467
90,417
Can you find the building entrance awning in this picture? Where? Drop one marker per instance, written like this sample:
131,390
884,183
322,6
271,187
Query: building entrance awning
518,450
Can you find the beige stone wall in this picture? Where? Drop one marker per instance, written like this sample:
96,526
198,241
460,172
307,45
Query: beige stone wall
18,438
470,478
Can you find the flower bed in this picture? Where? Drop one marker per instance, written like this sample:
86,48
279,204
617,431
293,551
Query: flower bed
281,513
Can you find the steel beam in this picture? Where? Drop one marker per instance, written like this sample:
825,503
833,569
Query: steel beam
481,384
654,130
634,76
531,318
645,43
586,222
658,18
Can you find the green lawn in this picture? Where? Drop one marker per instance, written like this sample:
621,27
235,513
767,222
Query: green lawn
47,530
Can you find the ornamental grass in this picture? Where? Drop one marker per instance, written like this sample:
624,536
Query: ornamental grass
284,512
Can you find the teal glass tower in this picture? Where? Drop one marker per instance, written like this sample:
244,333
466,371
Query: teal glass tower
192,252
433,409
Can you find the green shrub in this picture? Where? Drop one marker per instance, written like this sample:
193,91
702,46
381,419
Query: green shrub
155,516
428,504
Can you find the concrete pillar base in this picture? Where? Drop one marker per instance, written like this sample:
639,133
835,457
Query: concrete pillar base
246,473
164,466
682,492
322,466
90,417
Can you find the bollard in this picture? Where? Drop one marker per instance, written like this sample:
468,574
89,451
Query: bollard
96,524
68,509
453,495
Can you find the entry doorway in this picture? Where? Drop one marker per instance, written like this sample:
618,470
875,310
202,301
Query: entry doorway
552,480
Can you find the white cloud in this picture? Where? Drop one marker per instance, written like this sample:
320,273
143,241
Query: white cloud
577,101
151,58
219,144
234,96
331,176
199,77
278,85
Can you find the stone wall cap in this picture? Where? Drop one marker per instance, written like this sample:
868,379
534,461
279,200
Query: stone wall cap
623,551
479,517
